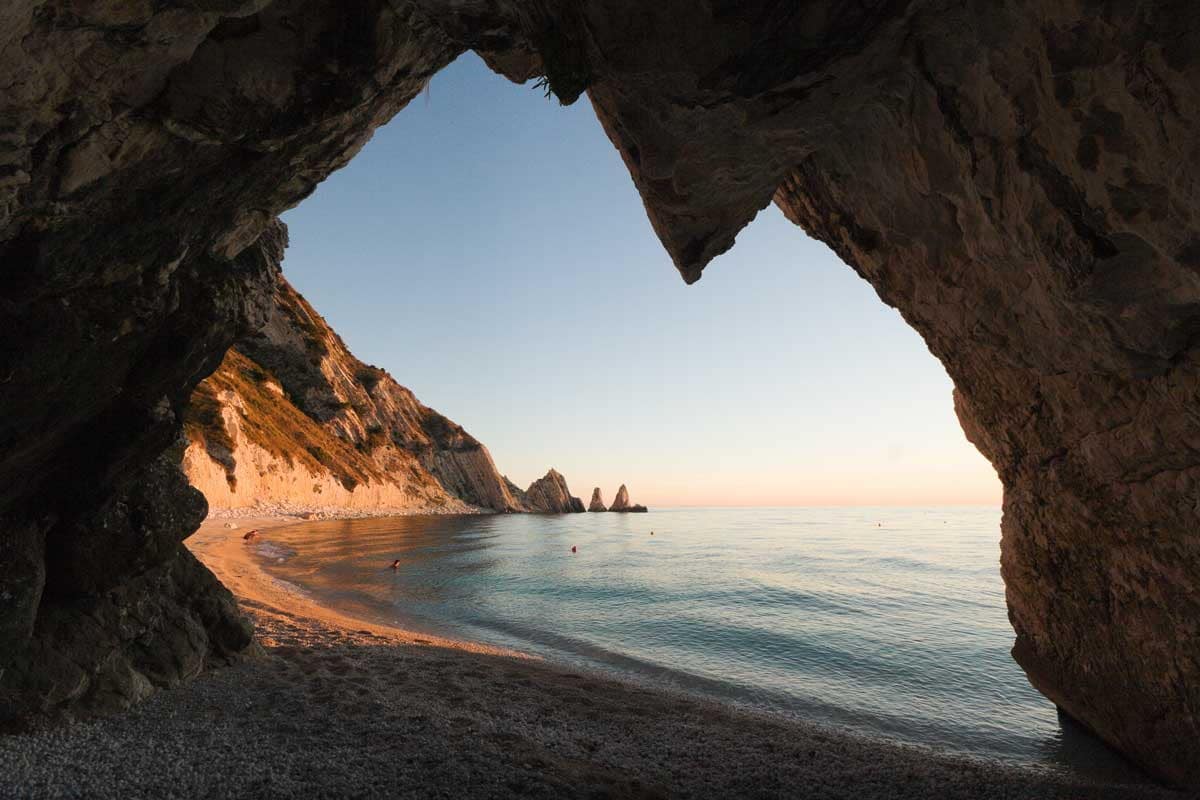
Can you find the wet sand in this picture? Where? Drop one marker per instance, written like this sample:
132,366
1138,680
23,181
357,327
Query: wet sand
336,707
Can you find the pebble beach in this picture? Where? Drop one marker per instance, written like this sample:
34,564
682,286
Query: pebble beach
336,707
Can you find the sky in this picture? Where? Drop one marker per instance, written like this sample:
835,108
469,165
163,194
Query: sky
488,248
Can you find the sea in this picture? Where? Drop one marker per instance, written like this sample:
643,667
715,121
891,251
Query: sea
889,622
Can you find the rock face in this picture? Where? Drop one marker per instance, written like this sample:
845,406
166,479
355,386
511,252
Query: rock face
550,495
292,419
597,503
621,502
1018,179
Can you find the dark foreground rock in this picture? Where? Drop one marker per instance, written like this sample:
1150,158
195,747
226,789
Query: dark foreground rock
1018,179
136,611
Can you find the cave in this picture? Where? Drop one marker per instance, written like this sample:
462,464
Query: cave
1018,179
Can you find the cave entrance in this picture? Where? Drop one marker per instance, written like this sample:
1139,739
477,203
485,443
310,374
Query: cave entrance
467,256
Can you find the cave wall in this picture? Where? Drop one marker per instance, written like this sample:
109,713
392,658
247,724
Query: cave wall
145,151
1019,180
1017,177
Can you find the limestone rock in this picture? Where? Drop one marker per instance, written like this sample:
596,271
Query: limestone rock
550,495
1017,179
291,418
622,503
597,503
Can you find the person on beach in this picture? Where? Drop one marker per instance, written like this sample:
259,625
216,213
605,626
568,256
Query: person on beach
396,564
250,535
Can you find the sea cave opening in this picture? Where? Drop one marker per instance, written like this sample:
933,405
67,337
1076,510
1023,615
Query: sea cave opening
489,251
1012,178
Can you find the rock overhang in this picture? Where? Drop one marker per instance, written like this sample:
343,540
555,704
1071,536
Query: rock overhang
1017,180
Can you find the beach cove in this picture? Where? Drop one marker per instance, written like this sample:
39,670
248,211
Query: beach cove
336,706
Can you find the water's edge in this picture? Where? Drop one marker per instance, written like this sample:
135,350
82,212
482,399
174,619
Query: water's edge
887,622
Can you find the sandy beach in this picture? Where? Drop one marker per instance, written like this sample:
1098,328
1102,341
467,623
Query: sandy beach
335,707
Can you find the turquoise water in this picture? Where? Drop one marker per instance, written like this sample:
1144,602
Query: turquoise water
889,621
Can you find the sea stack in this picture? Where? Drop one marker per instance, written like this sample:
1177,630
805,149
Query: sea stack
550,495
622,503
597,503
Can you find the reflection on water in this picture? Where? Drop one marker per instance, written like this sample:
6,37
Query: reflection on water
890,621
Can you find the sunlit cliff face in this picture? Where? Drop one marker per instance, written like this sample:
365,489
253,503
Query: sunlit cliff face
1017,180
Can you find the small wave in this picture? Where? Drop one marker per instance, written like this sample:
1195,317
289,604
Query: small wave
275,552
290,588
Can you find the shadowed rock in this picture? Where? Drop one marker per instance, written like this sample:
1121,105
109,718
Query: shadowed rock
597,503
1018,179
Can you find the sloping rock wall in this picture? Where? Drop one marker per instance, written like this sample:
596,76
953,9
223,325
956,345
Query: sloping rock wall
293,420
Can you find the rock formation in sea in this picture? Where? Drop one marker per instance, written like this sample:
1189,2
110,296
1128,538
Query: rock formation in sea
597,503
550,495
1017,179
622,504
293,420
621,501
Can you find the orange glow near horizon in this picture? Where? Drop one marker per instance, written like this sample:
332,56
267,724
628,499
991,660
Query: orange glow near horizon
876,488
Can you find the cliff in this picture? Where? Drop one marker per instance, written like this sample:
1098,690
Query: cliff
292,419
1018,179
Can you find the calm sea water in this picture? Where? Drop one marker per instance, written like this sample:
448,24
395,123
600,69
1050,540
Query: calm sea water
889,621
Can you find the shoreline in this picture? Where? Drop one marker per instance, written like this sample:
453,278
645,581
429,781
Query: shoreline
335,706
229,557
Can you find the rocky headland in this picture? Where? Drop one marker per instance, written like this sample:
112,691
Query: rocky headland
291,419
292,422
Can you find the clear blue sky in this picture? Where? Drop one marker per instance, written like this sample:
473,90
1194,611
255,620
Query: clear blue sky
488,248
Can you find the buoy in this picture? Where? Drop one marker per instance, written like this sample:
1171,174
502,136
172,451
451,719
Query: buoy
572,548
651,533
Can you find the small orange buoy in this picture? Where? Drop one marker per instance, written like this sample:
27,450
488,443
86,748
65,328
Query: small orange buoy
572,548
